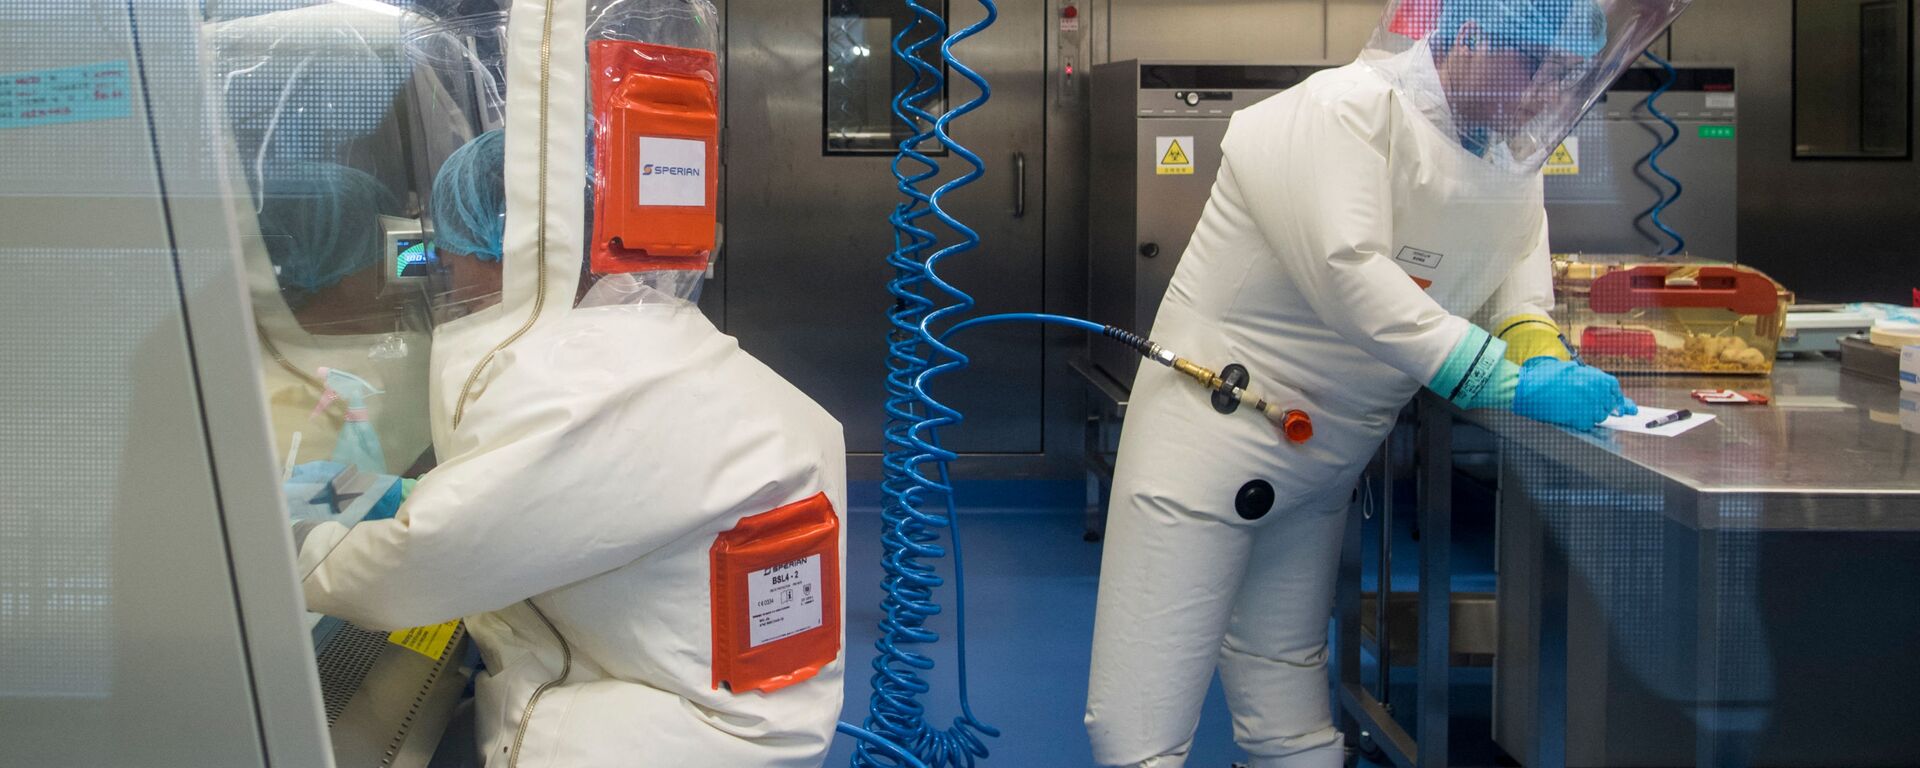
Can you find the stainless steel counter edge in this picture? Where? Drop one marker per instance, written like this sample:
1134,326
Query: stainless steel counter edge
1828,466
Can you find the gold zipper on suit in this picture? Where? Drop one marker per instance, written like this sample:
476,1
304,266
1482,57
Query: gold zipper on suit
539,304
540,252
566,667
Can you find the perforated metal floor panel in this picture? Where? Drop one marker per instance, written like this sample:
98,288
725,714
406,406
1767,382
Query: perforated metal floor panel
345,660
387,706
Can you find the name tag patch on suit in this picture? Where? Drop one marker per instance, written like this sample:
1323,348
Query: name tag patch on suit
1423,266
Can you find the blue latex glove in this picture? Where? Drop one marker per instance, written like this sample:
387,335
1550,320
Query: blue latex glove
1568,394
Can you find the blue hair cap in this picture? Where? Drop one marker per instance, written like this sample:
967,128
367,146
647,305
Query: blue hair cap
469,201
321,222
1574,27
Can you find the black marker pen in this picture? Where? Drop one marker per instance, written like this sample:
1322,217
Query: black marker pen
1671,418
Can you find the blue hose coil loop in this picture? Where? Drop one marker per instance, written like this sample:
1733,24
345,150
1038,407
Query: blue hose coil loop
1026,317
915,466
870,740
1653,159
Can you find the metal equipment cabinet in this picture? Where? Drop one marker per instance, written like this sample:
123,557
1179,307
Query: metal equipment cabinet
1600,196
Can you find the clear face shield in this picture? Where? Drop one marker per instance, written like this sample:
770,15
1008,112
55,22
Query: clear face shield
649,172
1513,76
311,99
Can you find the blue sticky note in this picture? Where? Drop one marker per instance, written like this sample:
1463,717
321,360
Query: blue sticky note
99,91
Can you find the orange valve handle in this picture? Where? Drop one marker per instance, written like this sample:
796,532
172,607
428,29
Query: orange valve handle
1297,426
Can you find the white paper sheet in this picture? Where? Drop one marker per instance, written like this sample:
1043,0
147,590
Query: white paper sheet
1638,423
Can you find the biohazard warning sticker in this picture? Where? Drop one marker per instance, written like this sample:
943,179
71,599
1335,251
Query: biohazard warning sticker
1565,160
784,600
426,641
1175,155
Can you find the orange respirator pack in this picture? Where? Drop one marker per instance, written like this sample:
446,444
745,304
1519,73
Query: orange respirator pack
656,156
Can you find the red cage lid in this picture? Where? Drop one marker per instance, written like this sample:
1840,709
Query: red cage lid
1646,287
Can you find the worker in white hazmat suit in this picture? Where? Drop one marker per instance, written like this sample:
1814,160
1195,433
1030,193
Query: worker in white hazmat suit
1359,220
639,522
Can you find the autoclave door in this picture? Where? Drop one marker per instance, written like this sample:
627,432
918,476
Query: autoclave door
809,188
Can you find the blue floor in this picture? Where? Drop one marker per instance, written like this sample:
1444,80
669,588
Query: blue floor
1031,583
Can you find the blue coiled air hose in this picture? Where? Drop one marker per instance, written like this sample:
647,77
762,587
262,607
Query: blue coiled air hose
915,466
1659,209
916,486
869,740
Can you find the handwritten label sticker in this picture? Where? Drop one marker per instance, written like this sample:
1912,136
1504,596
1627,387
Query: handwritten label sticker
67,95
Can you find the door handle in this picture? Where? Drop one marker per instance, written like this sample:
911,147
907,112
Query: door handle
1019,184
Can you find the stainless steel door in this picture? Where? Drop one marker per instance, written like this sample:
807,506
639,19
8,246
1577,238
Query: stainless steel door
804,275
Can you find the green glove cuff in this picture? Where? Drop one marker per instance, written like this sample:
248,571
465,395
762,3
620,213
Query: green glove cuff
1499,390
1476,373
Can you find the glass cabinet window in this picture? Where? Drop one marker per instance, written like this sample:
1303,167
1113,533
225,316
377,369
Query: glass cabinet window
862,74
1852,79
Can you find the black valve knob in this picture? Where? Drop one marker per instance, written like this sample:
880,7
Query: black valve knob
1150,250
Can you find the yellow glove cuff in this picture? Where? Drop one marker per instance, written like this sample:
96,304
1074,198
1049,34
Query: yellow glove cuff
1531,336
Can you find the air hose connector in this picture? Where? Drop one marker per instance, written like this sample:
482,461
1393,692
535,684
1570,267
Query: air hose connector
1294,424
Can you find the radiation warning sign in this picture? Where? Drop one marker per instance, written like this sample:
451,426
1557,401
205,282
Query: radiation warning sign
1175,155
1565,161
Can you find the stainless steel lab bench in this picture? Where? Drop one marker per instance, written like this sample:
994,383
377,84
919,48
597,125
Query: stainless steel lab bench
1740,595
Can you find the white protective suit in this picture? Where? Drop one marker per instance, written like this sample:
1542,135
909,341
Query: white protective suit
590,457
591,483
1348,238
1339,166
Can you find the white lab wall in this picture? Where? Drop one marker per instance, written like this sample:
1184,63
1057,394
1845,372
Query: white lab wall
1710,31
1215,30
1349,24
1232,30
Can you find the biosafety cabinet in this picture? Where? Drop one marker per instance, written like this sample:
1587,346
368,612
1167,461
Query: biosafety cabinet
1155,146
150,612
